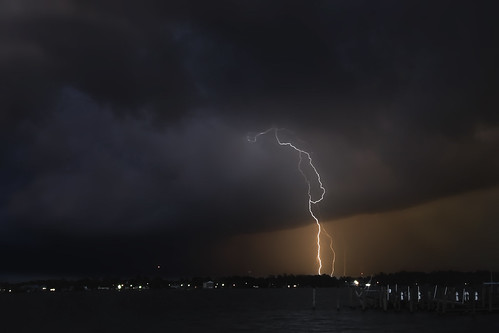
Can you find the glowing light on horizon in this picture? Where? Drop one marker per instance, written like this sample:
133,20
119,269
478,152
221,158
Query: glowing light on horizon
311,202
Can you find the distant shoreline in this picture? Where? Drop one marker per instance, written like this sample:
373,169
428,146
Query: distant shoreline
443,278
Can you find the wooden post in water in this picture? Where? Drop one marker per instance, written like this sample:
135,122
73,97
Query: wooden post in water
490,297
350,297
381,295
482,296
410,297
452,293
313,298
474,303
429,300
385,301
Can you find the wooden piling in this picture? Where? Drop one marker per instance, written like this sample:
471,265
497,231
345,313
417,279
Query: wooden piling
313,298
363,301
483,296
490,297
350,297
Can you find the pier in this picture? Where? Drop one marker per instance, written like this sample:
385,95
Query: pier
440,299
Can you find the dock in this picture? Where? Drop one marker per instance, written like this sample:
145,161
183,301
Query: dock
439,299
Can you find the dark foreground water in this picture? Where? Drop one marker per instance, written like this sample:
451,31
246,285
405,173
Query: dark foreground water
229,310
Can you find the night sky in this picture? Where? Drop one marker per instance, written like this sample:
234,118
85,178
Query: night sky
124,127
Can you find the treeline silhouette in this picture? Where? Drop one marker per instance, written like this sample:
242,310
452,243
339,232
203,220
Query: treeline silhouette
443,278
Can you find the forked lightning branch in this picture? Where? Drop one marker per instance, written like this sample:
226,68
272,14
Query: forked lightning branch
302,154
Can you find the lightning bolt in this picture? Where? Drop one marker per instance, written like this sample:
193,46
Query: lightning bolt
311,202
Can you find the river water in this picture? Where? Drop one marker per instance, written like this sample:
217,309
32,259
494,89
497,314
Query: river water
227,310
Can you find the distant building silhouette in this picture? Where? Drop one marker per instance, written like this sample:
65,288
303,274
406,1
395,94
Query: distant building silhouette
208,285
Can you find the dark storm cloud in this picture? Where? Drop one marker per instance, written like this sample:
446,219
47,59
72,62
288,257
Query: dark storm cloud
120,119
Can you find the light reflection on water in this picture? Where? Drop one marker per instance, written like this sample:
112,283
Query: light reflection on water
232,310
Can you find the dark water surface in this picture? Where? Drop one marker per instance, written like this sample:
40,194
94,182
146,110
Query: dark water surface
228,310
